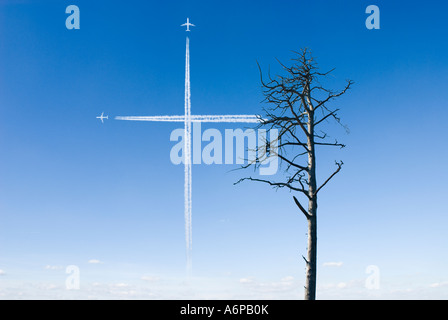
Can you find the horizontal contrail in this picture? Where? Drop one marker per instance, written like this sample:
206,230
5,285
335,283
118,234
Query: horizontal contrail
195,118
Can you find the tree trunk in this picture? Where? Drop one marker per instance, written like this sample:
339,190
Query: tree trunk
311,265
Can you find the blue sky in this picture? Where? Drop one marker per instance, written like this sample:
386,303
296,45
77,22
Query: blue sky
106,198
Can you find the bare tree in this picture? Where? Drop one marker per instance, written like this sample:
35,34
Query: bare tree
298,107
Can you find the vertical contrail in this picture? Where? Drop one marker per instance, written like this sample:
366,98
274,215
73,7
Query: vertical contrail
187,118
187,159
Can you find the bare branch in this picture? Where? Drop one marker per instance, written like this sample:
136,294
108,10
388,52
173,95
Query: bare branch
339,164
275,184
306,261
331,114
291,163
336,144
301,208
298,120
334,95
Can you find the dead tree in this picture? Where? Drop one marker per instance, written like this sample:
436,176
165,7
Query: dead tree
298,105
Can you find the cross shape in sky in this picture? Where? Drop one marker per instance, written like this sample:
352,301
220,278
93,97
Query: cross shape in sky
188,119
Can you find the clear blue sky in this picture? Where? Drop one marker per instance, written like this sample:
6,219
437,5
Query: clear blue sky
106,198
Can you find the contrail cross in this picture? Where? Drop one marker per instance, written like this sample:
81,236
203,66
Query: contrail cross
188,119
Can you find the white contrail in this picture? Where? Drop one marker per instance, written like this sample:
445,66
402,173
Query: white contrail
187,119
195,118
187,160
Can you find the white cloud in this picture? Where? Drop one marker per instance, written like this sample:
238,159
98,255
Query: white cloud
332,264
439,284
2,272
286,284
49,286
150,278
49,267
287,279
94,261
357,284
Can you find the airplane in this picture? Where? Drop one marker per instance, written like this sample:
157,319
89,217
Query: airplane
188,24
102,117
